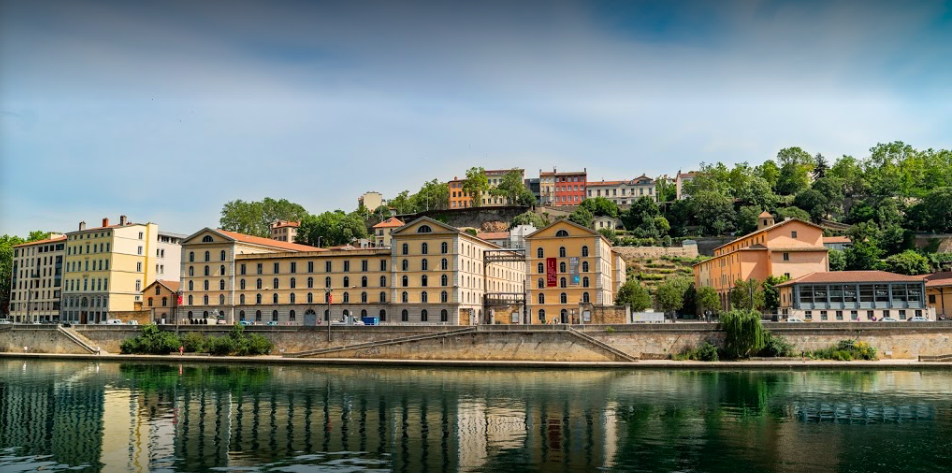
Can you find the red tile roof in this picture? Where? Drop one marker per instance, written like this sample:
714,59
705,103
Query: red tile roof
765,229
269,242
390,223
943,279
851,277
171,285
285,223
837,239
40,242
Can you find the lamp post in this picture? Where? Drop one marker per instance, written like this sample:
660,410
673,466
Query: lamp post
327,299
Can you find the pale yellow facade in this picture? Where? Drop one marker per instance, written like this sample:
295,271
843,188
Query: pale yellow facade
37,277
106,269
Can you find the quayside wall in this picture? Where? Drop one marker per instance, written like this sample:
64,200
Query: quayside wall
513,342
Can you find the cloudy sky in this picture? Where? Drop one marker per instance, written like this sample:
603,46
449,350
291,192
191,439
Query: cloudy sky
165,110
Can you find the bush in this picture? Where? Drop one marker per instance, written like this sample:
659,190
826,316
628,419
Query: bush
221,346
151,341
846,350
744,334
703,352
776,347
195,343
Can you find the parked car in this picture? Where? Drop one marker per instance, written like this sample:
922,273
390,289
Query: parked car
244,322
794,320
133,322
888,319
272,323
918,318
66,324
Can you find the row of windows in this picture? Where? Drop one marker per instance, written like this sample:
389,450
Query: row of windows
276,283
96,248
221,257
328,267
98,265
854,315
292,298
564,298
562,282
540,252
32,250
540,268
292,315
424,247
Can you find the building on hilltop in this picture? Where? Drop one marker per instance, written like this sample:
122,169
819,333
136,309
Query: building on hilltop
285,230
371,200
679,180
791,248
37,279
383,231
854,296
562,188
840,243
460,199
623,192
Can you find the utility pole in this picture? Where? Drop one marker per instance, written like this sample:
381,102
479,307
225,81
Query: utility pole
327,298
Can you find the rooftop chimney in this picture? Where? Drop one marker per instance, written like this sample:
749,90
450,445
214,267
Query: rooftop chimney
105,222
82,226
122,220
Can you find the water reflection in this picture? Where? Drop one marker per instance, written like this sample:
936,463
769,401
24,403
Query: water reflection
157,417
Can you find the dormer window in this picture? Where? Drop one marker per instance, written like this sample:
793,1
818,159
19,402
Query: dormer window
207,239
424,229
561,233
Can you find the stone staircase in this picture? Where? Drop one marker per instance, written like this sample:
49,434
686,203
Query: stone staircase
935,358
83,342
602,345
380,343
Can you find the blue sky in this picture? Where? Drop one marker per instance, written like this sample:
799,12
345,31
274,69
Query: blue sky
165,110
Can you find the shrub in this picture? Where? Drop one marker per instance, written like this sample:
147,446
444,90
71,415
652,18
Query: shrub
195,343
221,346
776,347
846,350
703,352
744,334
151,341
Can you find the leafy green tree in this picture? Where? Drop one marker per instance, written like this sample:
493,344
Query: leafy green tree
772,294
529,218
849,172
433,195
600,206
255,218
403,203
514,190
934,212
813,202
741,295
666,189
792,212
707,300
634,295
769,172
331,229
714,212
837,260
796,165
582,217
863,255
747,219
476,185
744,334
670,295
908,262
820,168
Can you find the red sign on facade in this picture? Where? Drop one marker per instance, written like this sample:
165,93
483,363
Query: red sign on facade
551,275
330,298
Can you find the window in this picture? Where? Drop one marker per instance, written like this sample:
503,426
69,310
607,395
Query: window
424,248
241,315
241,299
190,301
540,253
207,239
310,266
293,283
563,298
346,281
444,248
562,283
207,271
221,285
932,298
542,316
584,251
793,234
243,269
274,298
258,299
562,267
346,297
191,286
424,316
363,297
294,267
808,314
423,280
444,280
824,315
406,249
139,267
561,233
444,316
541,298
585,281
310,298
383,265
383,315
424,229
327,266
138,285
404,315
541,268
346,266
258,284
277,268
292,316
260,268
786,256
424,265
327,282
383,297
561,252
223,255
585,298
257,316
405,281
854,315
584,266
404,297
205,299
208,256
444,264
424,297
191,256
310,283
839,315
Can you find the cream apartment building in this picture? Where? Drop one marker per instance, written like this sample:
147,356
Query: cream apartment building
37,279
623,192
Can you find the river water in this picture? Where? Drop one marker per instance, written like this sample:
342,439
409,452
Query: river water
132,417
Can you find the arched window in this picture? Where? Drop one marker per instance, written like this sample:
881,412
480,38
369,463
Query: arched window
274,315
424,265
424,248
540,253
346,297
563,298
405,297
258,284
444,297
444,280
346,281
207,239
190,301
257,316
424,297
424,229
562,283
404,315
444,264
221,270
310,283
541,298
406,249
275,283
383,281
363,297
292,316
444,248
584,266
221,299
293,283
561,233
541,283
310,298
363,312
221,285
207,271
223,255
562,267
561,252
208,256
405,265
258,299
363,281
585,298
274,298
205,299
383,297
241,299
292,298
424,316
241,315
542,315
444,316
191,285
405,280
191,256
423,280
205,283
205,314
191,271
540,268
584,251
383,315
585,281
327,281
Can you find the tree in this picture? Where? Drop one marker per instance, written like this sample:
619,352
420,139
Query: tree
747,219
837,260
813,202
633,295
476,185
769,172
849,172
433,195
821,167
670,295
331,229
403,203
934,212
600,206
255,218
795,168
707,300
513,189
908,262
793,212
744,334
529,218
714,212
772,294
863,255
582,217
7,242
741,295
666,189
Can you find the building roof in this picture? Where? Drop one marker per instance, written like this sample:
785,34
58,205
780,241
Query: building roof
492,235
604,183
285,223
837,239
765,229
765,214
255,240
556,173
172,286
390,223
40,242
685,175
942,279
828,277
503,171
180,236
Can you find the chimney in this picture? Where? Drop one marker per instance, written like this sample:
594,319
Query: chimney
105,222
82,226
122,220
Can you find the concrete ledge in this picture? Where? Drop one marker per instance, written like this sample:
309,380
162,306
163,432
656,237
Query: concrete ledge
903,365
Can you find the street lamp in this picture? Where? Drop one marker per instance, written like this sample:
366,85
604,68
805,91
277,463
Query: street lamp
327,299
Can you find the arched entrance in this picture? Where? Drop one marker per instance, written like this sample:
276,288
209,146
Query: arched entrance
310,317
564,316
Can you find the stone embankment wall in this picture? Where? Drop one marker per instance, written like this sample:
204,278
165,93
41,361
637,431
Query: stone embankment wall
642,252
518,342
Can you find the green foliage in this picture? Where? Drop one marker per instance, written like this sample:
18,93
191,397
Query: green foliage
772,294
670,295
7,242
776,347
862,256
644,220
742,291
529,218
634,295
934,212
747,219
152,341
837,260
792,212
707,300
513,188
813,202
476,185
846,350
796,166
600,206
433,195
908,262
703,352
331,229
255,218
743,333
582,217
666,189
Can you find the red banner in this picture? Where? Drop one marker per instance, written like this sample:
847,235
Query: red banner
551,275
179,299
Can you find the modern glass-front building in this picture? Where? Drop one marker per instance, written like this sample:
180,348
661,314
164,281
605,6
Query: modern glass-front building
854,296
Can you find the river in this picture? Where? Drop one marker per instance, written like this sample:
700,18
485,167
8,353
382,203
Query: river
136,417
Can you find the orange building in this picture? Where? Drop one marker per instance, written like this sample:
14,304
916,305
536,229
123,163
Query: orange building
791,248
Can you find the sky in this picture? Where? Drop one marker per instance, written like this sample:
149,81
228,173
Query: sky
164,111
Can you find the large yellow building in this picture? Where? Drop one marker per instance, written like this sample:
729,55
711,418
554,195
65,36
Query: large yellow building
571,269
431,273
791,248
37,279
106,269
